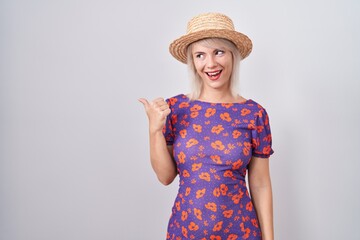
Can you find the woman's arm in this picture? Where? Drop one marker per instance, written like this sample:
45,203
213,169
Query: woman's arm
161,158
160,154
261,194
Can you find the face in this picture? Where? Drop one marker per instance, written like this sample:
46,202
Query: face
213,64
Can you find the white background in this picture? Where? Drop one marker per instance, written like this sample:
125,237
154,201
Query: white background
74,158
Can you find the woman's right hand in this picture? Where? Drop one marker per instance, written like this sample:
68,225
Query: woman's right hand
157,111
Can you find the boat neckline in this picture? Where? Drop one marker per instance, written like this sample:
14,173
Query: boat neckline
201,101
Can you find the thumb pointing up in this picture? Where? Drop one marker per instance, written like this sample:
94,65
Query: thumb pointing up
157,111
144,102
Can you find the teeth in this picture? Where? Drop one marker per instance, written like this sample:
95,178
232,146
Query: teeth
213,73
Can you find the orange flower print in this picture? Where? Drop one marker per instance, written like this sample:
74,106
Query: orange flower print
195,108
200,193
251,125
184,231
198,213
216,159
183,133
236,197
231,146
187,191
186,173
255,223
191,142
177,206
228,213
249,206
255,142
259,129
217,129
172,101
266,150
184,105
211,206
174,118
218,226
216,192
184,215
232,237
236,165
213,237
184,123
194,114
260,113
218,145
242,227
246,234
245,111
193,227
181,157
236,134
210,112
228,173
225,116
267,138
197,128
227,105
247,145
196,166
205,176
223,189
246,149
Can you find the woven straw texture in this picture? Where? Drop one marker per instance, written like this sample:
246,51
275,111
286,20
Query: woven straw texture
210,25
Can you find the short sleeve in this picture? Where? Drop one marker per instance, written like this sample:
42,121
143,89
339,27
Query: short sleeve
168,128
261,136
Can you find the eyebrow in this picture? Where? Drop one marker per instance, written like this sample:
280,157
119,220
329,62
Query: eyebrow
215,49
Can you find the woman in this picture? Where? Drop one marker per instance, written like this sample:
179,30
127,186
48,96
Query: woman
212,138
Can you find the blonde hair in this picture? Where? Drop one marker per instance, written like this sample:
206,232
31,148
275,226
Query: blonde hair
196,81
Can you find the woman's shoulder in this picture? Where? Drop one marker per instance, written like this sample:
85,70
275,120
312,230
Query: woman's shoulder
177,99
254,104
256,109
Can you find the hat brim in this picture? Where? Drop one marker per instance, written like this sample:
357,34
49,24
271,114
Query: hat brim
178,47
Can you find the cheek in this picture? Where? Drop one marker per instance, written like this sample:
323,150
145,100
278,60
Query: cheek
228,64
198,67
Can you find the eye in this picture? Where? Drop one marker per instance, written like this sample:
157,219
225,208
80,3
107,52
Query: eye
199,55
219,52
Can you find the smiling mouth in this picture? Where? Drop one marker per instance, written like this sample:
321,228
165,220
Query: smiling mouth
214,75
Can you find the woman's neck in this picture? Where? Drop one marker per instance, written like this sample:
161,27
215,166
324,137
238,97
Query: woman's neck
219,96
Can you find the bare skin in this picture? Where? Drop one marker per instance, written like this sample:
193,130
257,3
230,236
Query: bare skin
160,154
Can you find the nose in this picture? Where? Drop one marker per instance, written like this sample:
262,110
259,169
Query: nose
211,63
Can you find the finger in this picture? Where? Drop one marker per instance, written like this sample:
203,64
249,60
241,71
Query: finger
167,112
159,99
144,102
163,107
159,103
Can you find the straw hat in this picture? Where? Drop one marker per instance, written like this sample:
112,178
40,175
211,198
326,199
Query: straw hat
210,25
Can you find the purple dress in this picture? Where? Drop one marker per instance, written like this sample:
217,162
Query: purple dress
213,144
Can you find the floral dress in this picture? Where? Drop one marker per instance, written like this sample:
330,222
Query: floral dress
212,145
